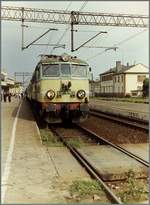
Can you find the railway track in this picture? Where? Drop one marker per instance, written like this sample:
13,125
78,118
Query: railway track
104,141
94,172
140,124
91,170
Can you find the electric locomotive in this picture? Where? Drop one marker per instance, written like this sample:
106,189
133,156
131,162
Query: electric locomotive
59,88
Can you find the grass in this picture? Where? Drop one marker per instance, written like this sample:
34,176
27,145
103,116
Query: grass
49,139
131,99
134,190
75,142
85,188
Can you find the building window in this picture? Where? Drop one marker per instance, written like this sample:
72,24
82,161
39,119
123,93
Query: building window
122,78
118,79
140,78
139,87
2,78
106,77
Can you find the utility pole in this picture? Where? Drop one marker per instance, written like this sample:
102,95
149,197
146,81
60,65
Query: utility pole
23,75
22,26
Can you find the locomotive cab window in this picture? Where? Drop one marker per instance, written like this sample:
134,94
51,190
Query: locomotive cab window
79,70
51,70
65,70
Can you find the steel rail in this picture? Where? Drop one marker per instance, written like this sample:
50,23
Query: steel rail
123,120
142,161
88,167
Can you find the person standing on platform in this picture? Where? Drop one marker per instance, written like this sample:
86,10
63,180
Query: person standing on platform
7,94
2,94
6,91
9,97
22,95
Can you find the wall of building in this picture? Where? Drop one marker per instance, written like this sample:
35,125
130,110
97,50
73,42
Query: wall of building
133,83
95,88
119,84
107,86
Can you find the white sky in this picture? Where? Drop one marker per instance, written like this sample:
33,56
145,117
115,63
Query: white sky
134,50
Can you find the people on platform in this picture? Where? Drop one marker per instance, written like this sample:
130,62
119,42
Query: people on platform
7,94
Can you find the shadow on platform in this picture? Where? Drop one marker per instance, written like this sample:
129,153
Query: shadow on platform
25,111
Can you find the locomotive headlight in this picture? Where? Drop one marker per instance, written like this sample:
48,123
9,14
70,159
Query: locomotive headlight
50,94
81,94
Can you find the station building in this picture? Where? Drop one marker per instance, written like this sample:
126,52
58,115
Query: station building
95,88
8,84
122,80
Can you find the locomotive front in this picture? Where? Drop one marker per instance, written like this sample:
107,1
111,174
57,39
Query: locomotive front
61,92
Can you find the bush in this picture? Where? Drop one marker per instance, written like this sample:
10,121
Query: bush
127,96
146,87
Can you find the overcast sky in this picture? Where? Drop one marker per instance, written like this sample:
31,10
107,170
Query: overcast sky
134,50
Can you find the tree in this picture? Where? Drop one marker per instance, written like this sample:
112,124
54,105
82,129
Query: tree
146,87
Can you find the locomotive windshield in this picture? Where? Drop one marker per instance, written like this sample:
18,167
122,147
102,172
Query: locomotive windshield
64,70
79,70
51,70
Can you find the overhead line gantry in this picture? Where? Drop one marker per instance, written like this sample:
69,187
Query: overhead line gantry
73,18
66,17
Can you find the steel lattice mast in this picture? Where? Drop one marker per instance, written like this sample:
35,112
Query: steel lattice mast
66,17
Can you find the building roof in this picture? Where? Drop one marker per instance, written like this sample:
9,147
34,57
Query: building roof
122,70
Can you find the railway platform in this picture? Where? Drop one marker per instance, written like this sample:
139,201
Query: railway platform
30,171
25,164
127,109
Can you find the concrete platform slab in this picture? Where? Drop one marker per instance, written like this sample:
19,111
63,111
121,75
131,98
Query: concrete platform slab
134,110
8,113
31,168
111,163
140,149
38,175
68,168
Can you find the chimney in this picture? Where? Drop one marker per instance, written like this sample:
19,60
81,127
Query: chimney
127,65
118,66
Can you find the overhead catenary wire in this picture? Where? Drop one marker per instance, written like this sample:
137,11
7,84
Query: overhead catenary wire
64,33
49,40
68,6
62,36
130,37
46,27
117,44
83,5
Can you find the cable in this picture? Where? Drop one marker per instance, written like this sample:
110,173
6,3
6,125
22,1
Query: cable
121,42
60,39
49,40
68,6
83,5
133,36
62,36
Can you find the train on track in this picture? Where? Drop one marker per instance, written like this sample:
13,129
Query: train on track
59,88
